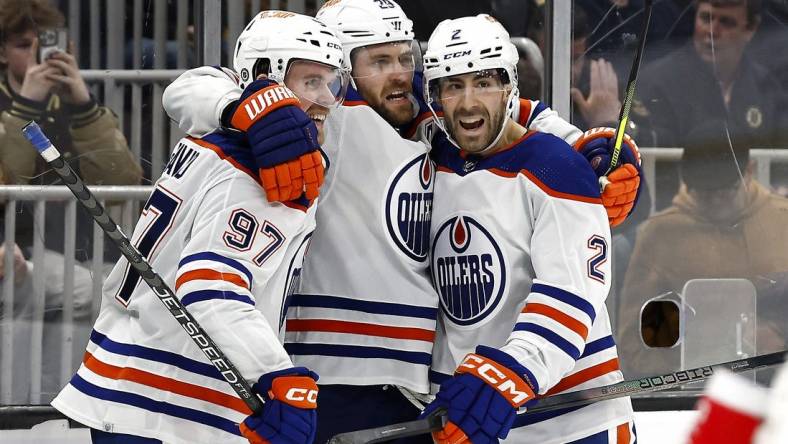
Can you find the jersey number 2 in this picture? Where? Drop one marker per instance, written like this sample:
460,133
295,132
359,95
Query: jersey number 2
599,244
157,217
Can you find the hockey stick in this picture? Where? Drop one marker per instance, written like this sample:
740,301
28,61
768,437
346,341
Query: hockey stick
573,399
629,96
167,297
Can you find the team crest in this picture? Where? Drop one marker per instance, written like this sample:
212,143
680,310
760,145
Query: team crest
468,270
408,208
754,117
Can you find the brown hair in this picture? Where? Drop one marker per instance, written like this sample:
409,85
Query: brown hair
19,16
753,8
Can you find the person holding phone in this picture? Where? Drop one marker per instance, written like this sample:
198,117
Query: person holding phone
53,93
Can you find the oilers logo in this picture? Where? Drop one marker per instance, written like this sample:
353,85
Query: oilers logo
468,270
408,208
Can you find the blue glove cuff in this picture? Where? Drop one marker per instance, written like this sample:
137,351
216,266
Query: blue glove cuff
263,385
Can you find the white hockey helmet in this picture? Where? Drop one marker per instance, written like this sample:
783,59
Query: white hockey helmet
360,23
273,40
466,45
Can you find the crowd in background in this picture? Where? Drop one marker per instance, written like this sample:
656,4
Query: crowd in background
714,81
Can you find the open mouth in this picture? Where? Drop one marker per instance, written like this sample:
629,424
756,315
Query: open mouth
318,118
471,124
397,96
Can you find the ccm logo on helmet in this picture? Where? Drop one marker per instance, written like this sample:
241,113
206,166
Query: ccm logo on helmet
496,378
301,394
456,54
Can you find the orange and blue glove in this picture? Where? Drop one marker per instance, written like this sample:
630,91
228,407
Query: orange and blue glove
621,194
289,415
482,398
283,140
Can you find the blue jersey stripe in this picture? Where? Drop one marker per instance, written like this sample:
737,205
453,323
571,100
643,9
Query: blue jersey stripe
566,297
531,379
438,377
553,337
598,345
207,295
210,256
386,308
152,354
155,406
540,107
358,351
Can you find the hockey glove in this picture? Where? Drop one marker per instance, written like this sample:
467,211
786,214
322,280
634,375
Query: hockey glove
283,140
482,398
621,193
290,412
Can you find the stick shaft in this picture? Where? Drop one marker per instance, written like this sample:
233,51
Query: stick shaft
654,383
629,94
230,373
574,399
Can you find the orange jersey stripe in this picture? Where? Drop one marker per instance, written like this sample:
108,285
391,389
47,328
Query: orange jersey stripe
558,194
622,434
525,112
354,102
416,334
166,384
584,375
204,274
297,206
558,316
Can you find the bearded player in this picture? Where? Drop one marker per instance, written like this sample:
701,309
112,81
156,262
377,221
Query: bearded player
519,257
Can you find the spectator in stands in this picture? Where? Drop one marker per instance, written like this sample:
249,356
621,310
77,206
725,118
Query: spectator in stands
617,23
595,97
52,274
714,77
722,224
53,93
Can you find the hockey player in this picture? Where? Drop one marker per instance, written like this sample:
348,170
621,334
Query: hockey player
230,256
365,325
519,257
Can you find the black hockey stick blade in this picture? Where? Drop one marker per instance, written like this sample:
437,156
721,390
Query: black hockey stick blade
572,399
436,421
215,356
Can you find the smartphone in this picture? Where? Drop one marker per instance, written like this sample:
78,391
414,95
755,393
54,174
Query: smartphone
51,40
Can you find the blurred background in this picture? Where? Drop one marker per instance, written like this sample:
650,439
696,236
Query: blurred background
700,268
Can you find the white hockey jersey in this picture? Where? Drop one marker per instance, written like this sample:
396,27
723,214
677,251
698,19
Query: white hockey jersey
231,258
520,260
366,310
